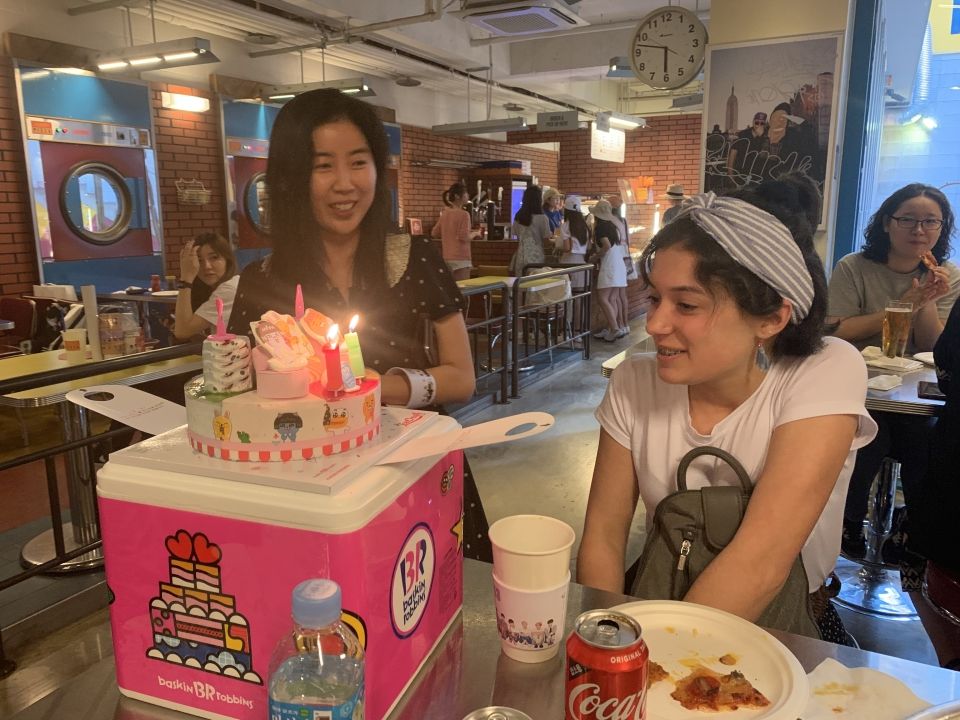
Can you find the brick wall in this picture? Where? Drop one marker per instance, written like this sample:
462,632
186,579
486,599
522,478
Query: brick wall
188,146
421,187
18,256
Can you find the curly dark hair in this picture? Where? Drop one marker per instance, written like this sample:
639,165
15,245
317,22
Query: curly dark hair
877,240
293,228
795,201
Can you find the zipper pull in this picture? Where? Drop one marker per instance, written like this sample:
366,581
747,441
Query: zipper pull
684,551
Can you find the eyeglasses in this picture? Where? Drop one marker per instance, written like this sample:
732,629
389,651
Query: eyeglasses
759,122
909,223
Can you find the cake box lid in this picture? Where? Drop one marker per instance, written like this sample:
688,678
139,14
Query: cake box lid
335,493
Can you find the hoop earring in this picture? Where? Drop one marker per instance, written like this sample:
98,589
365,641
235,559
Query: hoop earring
762,359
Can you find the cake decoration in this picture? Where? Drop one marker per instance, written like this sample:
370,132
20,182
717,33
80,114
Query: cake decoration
194,622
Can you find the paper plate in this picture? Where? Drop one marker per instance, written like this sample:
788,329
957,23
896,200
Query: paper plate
925,357
681,634
164,293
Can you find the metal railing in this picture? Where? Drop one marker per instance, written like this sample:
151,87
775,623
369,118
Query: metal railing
488,331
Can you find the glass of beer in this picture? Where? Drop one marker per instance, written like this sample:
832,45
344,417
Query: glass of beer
896,328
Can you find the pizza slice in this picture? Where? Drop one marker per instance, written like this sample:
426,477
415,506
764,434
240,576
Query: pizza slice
704,689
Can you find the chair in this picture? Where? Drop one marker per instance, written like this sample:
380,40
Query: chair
23,313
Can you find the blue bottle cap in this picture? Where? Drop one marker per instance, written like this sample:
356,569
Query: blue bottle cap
316,603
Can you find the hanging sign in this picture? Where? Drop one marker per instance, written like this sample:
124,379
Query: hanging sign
609,145
568,120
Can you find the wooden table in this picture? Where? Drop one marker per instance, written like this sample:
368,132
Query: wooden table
467,670
146,297
83,527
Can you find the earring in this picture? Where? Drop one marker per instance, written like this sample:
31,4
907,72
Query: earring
762,360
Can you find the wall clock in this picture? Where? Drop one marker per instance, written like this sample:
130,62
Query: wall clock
668,48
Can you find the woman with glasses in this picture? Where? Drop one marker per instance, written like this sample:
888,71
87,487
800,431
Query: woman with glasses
914,220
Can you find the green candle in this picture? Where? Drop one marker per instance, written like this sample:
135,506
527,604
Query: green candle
353,349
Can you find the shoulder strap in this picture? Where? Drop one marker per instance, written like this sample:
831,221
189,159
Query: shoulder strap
717,452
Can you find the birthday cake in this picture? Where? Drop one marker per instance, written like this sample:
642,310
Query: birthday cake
312,397
194,623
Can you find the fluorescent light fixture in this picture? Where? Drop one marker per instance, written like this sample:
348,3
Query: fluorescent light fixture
188,103
170,53
620,121
478,127
620,68
929,123
354,86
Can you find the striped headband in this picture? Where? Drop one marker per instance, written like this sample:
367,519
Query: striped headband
758,241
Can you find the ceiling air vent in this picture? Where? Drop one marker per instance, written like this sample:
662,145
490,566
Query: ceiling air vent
520,18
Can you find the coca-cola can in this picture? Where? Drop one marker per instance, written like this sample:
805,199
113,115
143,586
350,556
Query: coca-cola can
606,668
497,713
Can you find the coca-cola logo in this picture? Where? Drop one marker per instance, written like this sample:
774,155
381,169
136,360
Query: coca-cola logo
584,702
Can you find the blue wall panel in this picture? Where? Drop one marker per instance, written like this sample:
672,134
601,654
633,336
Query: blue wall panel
80,97
248,120
108,274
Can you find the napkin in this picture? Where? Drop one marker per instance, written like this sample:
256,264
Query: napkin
875,358
837,691
884,382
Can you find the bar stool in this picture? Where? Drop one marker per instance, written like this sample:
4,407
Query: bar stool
868,586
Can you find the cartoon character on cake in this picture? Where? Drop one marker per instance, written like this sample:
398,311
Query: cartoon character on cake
296,411
194,623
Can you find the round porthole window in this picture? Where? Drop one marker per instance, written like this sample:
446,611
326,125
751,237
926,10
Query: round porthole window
96,203
257,202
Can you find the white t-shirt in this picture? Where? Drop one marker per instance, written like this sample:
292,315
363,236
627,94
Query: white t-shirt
226,291
652,419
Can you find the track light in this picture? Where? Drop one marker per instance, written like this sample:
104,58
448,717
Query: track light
510,124
620,68
355,87
619,121
171,53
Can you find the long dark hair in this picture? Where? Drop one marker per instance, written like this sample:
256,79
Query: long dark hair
531,205
578,226
293,228
200,292
451,196
794,201
877,240
607,229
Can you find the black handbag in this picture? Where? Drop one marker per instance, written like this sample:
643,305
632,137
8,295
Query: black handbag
690,528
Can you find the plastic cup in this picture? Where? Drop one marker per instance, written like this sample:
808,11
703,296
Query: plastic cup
531,552
896,328
530,622
75,344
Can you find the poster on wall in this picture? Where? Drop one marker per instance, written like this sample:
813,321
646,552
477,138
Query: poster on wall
770,109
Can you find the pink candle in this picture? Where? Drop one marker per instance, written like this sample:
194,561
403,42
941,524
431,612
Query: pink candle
298,303
331,358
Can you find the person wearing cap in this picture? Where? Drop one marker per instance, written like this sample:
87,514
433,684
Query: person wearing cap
608,236
574,237
753,139
553,207
675,196
738,302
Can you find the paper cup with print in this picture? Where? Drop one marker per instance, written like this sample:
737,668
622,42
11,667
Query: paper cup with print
531,552
530,622
75,344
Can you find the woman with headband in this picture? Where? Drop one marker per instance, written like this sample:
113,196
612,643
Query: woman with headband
738,300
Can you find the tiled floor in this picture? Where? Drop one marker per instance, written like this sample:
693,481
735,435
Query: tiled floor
549,474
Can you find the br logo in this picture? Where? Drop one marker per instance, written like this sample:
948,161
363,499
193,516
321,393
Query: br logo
412,580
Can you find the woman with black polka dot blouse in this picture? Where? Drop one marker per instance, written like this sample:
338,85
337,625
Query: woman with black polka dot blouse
330,219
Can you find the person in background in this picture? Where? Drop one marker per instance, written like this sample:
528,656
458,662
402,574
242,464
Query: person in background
208,271
915,219
738,299
674,195
327,176
453,229
932,556
553,207
574,238
607,235
531,228
753,140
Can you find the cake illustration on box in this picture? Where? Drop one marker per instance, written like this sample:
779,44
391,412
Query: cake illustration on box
194,623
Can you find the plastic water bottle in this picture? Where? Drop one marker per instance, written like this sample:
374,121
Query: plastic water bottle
316,671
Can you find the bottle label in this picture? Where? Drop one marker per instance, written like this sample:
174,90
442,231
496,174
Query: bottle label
351,709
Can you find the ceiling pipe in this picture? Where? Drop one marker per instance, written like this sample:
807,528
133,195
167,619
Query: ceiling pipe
432,11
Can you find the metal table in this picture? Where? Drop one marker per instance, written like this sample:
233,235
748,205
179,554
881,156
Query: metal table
135,370
868,586
467,670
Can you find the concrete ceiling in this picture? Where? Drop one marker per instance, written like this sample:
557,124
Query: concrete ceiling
560,70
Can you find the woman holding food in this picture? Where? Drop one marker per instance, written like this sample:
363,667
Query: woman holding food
914,221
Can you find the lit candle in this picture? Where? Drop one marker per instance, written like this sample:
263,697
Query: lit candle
331,359
353,348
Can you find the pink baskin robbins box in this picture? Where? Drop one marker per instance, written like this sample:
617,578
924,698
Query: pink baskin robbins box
201,569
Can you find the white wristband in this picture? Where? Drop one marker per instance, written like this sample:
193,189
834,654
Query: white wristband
423,386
